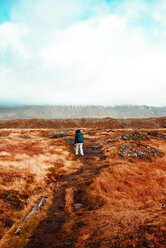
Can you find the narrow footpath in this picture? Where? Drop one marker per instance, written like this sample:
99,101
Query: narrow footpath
61,227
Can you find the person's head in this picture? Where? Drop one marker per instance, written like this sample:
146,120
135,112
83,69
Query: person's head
78,131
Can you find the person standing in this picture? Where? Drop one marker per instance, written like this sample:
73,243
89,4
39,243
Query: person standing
79,142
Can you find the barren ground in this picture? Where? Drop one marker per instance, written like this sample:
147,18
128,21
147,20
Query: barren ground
114,196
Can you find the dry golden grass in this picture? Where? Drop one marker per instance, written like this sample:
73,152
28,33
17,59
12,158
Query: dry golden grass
121,201
25,166
132,186
134,193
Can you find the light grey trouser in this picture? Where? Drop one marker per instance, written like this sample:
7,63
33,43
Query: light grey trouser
79,145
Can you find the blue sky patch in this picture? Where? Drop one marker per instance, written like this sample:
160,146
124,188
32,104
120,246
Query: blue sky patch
5,7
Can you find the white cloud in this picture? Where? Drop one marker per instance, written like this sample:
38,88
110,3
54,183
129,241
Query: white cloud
11,35
50,54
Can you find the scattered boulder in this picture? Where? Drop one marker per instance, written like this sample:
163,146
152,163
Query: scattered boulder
157,134
77,205
128,151
91,133
152,151
134,136
126,136
138,150
153,133
139,136
163,205
60,134
110,130
110,148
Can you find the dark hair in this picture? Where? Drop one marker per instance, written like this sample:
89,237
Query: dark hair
78,131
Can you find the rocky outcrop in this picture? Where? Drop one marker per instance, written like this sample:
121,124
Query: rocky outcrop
138,150
152,151
157,134
127,151
134,136
126,136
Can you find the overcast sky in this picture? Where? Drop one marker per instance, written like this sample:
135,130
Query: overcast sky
104,52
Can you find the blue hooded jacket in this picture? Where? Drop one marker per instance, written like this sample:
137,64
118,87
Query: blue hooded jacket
78,137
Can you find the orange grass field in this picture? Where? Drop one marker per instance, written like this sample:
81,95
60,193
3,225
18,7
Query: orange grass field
109,198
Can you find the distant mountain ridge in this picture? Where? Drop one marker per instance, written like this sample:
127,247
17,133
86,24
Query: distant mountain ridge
73,111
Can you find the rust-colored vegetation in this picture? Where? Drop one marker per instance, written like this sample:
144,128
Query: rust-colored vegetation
114,196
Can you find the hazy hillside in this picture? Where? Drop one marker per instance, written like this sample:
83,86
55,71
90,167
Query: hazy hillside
69,111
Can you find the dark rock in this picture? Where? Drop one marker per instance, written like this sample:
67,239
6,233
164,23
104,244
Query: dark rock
127,151
110,148
126,136
134,136
60,135
139,136
77,205
152,151
91,133
157,134
164,206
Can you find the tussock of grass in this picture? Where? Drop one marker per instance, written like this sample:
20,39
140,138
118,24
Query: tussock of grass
132,186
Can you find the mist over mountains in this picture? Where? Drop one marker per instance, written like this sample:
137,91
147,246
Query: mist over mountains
73,111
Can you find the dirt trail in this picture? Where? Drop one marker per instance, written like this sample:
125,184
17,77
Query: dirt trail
60,229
